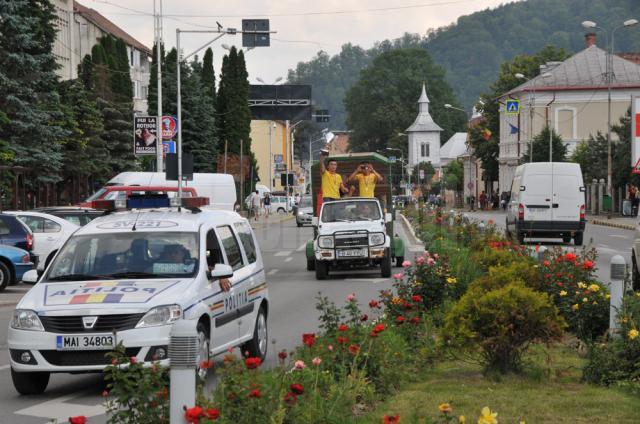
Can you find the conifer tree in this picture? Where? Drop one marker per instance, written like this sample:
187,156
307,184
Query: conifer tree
152,99
209,77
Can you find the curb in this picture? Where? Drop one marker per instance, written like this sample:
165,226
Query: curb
409,228
612,224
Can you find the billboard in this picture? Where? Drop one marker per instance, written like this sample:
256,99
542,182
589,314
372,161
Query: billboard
169,127
635,131
280,102
145,135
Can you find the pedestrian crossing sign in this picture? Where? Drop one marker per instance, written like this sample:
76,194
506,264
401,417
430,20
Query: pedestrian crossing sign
512,107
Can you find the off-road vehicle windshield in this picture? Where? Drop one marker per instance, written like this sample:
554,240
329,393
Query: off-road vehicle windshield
362,210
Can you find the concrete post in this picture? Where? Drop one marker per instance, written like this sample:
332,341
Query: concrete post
183,356
617,270
541,253
593,190
601,187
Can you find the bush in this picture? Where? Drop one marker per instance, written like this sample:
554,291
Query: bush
497,327
618,360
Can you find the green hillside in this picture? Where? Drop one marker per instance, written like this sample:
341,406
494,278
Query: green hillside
472,49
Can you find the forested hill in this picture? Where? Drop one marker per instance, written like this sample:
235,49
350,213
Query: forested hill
472,49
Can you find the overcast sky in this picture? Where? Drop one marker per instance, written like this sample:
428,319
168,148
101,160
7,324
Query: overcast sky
303,27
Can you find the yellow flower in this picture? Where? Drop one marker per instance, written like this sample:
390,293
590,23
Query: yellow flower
575,307
396,300
595,303
445,408
594,288
607,296
487,417
633,333
451,280
563,293
637,294
624,320
462,419
582,285
584,299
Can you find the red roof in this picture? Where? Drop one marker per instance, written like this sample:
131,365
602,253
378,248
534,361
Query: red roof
109,27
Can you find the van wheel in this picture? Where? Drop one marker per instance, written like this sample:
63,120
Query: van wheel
635,275
311,264
5,276
385,266
578,238
257,346
322,270
399,260
281,211
30,383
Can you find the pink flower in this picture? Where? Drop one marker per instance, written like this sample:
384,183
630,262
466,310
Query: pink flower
427,254
330,348
230,349
436,256
351,297
406,264
133,360
420,260
316,361
430,261
299,365
398,276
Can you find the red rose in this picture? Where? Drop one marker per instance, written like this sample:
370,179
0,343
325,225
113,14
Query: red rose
374,304
193,415
393,419
342,340
297,389
408,306
206,364
570,257
587,265
415,320
559,283
343,327
373,334
290,398
378,328
364,317
252,363
416,298
282,355
212,414
400,320
254,393
546,263
80,419
114,361
354,349
309,339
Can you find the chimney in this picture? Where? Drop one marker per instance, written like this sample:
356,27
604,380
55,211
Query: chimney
590,39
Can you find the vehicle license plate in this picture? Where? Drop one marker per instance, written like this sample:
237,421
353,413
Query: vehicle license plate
350,253
82,342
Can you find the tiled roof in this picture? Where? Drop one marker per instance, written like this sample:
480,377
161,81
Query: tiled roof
586,69
109,27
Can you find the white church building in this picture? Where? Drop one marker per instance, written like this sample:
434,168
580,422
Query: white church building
424,136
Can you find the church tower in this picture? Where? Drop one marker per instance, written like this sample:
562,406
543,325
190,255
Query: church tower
424,136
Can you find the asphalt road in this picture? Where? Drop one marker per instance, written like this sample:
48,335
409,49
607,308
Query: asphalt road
292,291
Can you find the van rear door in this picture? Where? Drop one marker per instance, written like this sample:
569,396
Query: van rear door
537,197
567,198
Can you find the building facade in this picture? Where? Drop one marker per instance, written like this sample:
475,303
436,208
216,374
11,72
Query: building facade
79,29
569,96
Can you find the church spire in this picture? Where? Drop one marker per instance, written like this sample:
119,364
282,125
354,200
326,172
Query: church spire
423,101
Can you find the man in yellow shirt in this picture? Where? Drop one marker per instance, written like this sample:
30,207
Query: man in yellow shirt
367,178
332,184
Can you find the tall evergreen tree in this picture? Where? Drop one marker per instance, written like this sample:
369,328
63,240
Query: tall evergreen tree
541,148
209,77
28,87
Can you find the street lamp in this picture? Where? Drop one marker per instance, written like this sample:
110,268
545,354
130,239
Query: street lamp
609,73
532,99
277,80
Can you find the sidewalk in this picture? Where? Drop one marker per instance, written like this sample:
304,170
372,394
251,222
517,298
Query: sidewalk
623,222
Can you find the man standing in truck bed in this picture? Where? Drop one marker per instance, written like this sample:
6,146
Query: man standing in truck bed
332,184
367,179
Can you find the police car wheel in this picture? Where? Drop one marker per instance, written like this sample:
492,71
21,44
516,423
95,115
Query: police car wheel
30,383
5,276
203,349
257,346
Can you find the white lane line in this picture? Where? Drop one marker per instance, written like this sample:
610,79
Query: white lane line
606,246
273,271
282,253
302,247
59,408
4,367
289,259
618,236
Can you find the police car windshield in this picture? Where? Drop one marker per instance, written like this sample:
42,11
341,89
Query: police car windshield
126,255
350,211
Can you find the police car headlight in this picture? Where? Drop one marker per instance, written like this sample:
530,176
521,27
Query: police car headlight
160,315
25,319
376,239
300,213
325,242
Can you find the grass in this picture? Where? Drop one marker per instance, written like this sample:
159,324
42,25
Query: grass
549,391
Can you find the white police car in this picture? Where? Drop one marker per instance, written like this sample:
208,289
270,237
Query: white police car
126,277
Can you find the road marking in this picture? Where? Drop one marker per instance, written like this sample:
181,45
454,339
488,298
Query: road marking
58,409
282,253
289,259
4,367
367,280
606,246
301,248
273,271
618,236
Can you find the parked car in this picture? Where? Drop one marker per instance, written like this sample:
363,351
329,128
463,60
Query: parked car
123,192
547,200
14,262
304,211
279,204
74,214
16,233
49,231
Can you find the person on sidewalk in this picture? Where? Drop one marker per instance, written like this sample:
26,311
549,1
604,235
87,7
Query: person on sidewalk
267,205
367,178
332,184
254,202
483,200
635,201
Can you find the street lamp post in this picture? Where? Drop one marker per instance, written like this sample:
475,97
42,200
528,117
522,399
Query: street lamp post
272,125
532,99
401,159
609,78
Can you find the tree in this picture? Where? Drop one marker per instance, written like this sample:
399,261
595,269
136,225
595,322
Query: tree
454,176
592,156
383,101
541,148
621,154
208,77
31,112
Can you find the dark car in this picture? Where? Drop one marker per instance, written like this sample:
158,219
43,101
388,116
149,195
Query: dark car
14,232
74,214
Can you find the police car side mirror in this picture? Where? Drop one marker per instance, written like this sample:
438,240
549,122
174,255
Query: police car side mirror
221,271
314,221
30,277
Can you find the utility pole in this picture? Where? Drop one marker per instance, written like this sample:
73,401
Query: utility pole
159,143
271,124
241,175
287,162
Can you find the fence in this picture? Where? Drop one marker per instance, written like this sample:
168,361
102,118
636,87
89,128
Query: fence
595,198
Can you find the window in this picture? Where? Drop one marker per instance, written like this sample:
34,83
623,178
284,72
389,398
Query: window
214,253
35,223
246,237
231,247
51,226
4,228
424,150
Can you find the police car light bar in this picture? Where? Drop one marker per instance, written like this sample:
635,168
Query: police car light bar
108,205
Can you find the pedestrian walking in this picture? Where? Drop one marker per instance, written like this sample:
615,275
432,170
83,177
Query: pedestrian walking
267,204
483,200
254,203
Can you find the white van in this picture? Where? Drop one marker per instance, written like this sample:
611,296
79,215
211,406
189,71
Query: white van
548,201
219,188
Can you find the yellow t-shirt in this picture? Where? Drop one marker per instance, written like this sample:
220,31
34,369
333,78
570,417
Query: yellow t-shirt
331,185
367,184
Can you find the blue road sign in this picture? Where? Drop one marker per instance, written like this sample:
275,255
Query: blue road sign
512,107
392,158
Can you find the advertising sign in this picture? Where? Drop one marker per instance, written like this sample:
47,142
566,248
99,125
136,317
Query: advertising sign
145,135
422,174
168,147
635,130
169,127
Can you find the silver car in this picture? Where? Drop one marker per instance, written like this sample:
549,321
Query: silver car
304,211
